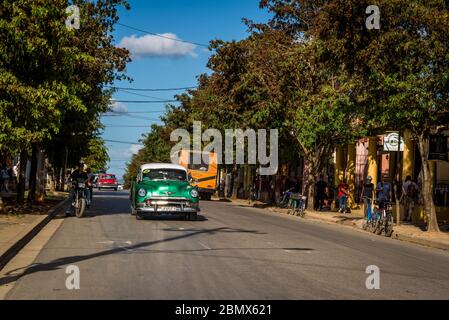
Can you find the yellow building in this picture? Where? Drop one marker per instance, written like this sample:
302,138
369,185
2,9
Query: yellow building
383,156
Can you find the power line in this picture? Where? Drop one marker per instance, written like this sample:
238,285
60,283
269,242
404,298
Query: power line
151,89
110,114
142,95
162,36
124,142
144,101
124,126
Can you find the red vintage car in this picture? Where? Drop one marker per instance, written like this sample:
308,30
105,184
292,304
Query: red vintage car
107,181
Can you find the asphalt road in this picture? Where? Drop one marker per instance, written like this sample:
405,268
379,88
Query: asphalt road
232,252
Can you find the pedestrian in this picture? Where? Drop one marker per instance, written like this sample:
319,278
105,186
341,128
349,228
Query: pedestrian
12,179
409,197
321,186
343,194
2,182
367,195
384,193
5,179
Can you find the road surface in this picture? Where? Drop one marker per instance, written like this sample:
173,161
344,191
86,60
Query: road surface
232,252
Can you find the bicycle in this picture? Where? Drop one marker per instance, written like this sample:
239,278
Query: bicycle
384,220
370,217
297,205
387,220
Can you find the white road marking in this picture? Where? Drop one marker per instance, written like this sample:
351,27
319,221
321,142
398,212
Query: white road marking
106,242
204,246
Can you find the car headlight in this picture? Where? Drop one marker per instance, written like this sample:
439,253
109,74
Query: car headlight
194,193
142,192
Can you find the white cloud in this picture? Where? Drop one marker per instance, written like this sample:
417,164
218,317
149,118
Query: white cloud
117,109
135,148
154,46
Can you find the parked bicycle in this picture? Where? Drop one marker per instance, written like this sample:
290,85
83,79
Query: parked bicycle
379,221
284,200
385,221
297,205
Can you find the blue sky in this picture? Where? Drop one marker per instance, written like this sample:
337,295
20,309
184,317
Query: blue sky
163,63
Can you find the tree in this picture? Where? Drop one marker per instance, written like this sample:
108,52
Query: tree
52,77
96,157
157,147
400,72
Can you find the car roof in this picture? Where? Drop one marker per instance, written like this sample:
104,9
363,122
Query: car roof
156,166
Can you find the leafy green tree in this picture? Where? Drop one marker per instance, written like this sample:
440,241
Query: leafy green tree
400,72
52,77
97,155
157,147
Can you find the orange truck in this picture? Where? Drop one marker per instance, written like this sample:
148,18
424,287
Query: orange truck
204,175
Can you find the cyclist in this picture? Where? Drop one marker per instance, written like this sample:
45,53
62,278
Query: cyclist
384,193
367,195
78,173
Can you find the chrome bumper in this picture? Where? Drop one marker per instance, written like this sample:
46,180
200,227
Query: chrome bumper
167,206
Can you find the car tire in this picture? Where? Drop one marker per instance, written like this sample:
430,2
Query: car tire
138,217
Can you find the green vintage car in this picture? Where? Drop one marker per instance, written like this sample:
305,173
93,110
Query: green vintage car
164,189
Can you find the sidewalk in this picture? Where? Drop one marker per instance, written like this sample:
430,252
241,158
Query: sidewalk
403,232
17,229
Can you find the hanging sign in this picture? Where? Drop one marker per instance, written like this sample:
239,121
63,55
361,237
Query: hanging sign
391,142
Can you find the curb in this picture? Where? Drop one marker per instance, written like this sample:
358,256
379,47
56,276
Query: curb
9,254
423,242
396,235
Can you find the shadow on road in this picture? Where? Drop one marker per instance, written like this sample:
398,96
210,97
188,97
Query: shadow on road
58,263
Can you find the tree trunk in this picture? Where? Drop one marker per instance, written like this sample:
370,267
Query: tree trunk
314,162
41,177
33,175
64,168
22,176
311,192
427,188
235,186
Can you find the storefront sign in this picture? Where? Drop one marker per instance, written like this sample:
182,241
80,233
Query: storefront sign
391,142
438,148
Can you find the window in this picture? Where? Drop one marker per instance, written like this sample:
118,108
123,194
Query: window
199,167
108,177
164,174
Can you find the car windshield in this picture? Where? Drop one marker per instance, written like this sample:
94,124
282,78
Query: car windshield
108,177
164,174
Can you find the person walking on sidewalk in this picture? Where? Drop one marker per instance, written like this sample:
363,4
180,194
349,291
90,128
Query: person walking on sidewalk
4,183
343,194
409,197
321,186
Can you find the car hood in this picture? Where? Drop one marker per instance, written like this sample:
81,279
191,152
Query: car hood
166,188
